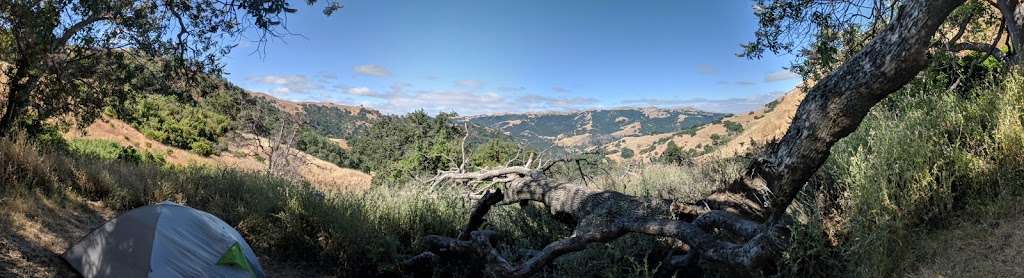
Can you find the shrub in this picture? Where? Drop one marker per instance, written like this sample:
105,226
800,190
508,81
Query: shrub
109,150
626,153
201,147
172,122
733,127
497,152
771,105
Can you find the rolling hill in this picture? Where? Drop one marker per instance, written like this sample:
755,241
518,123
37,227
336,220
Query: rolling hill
324,175
730,136
336,121
586,129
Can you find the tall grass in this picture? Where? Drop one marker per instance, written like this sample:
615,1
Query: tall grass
922,158
349,234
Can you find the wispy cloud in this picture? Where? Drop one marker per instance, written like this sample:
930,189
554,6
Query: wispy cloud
361,91
730,105
707,69
287,84
469,84
560,89
539,101
737,82
372,70
780,75
398,98
512,89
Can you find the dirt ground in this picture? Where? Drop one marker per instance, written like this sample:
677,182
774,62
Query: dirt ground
35,231
979,248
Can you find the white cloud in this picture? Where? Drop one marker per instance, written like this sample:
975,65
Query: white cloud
361,91
560,89
514,89
399,99
730,105
707,69
435,101
469,84
287,84
372,70
539,101
780,75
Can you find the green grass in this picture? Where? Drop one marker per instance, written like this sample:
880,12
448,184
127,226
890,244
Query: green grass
110,150
924,158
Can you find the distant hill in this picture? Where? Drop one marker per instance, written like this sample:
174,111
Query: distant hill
587,129
730,136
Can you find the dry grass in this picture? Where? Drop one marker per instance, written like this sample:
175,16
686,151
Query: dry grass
325,175
758,126
992,247
35,229
763,125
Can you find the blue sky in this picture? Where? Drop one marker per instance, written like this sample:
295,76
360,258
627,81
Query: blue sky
477,57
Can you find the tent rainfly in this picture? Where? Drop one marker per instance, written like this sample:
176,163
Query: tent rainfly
164,240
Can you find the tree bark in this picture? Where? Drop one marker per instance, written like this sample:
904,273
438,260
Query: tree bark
836,105
1013,17
17,95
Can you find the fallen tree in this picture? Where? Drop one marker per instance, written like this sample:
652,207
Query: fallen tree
743,225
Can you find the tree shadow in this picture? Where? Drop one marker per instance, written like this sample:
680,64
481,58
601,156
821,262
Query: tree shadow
36,229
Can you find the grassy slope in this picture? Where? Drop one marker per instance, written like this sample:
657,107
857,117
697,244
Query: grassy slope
758,126
325,175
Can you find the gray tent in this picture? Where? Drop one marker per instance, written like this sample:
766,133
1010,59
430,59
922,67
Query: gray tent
164,240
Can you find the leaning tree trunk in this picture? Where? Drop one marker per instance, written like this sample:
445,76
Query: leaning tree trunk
1013,19
742,225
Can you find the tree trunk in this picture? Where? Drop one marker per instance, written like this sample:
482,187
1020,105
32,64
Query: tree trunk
1013,17
15,102
837,104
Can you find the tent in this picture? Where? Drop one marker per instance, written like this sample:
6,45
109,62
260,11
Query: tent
164,240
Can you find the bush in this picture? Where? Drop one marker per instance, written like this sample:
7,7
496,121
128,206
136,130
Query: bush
733,127
626,153
771,105
109,150
172,122
201,147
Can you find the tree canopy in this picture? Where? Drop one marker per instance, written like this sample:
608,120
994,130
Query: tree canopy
68,57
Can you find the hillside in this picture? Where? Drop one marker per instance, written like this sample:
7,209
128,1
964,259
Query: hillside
336,121
728,137
324,175
583,129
